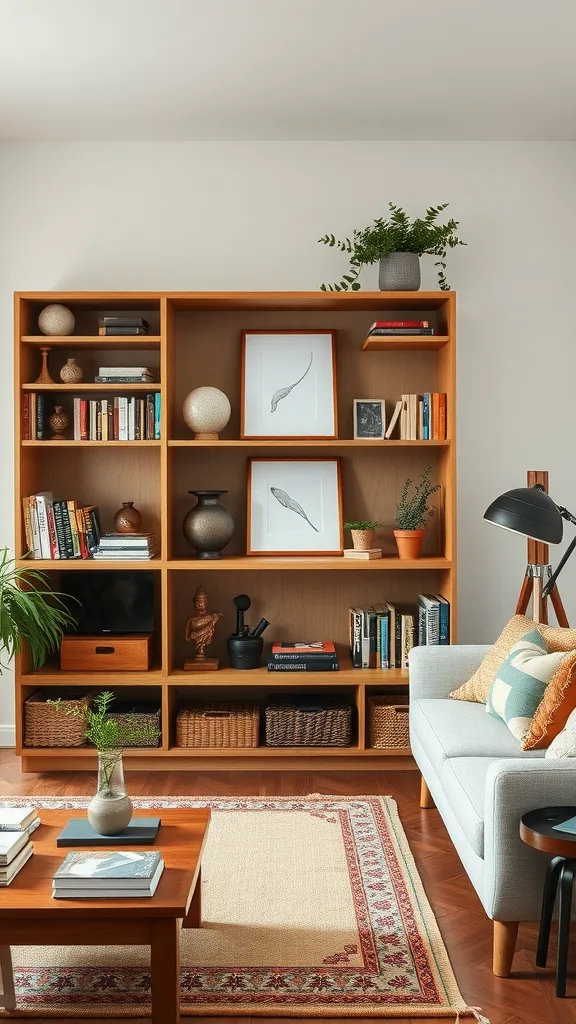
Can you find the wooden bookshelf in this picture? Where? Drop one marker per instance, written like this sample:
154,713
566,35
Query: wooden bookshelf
195,340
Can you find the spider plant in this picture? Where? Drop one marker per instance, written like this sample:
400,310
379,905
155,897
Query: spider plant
29,612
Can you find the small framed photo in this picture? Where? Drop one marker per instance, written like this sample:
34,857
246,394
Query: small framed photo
294,507
288,385
369,419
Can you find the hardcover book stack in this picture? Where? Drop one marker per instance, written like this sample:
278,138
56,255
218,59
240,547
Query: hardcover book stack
124,375
108,875
390,328
313,656
420,417
16,826
123,326
382,635
117,419
60,529
127,546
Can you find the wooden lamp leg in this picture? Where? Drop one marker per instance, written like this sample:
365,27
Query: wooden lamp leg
505,935
426,800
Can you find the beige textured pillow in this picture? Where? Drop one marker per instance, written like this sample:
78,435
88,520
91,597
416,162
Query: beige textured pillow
478,687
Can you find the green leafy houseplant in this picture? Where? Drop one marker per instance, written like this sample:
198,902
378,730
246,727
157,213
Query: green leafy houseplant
398,233
361,524
362,532
413,510
29,612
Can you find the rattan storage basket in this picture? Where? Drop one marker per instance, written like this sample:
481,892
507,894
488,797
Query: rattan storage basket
144,716
308,720
49,726
218,725
388,720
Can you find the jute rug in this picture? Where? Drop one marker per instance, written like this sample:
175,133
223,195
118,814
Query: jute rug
311,907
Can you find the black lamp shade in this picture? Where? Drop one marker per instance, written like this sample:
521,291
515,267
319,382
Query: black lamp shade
529,511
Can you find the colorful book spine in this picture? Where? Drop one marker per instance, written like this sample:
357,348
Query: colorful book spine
426,416
157,416
303,666
40,422
27,525
384,641
45,549
71,505
26,436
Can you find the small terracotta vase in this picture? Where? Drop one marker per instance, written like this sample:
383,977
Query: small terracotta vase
58,421
409,542
71,373
127,519
362,539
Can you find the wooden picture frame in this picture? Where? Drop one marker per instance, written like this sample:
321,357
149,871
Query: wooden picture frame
369,419
299,391
329,490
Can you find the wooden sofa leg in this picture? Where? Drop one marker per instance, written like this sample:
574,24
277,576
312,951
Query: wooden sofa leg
426,800
505,934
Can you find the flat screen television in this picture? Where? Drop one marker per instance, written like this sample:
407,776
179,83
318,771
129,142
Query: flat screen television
110,602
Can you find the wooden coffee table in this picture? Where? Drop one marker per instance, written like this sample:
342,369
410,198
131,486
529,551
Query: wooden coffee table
30,916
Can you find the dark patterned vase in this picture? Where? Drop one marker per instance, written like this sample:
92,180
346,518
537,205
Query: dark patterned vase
208,526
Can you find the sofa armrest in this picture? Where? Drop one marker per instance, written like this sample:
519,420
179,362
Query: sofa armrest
514,871
436,671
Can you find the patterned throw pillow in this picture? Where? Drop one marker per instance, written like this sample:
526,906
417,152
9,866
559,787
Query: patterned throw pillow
554,709
478,686
521,681
565,743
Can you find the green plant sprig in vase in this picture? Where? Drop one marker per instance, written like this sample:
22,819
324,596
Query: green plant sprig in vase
30,613
362,531
412,513
385,239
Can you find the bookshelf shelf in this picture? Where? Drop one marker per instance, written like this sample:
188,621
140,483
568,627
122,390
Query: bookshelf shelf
196,341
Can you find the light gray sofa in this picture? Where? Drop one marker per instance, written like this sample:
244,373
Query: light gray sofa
482,783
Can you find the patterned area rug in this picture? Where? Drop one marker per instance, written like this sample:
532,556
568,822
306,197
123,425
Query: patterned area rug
311,907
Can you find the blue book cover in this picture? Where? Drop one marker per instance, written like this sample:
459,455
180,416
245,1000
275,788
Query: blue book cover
118,864
444,619
426,416
567,826
384,642
157,416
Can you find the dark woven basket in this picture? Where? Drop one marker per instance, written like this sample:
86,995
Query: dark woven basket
146,714
308,721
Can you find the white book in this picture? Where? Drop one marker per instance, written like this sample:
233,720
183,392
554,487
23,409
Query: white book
42,511
16,819
36,546
110,869
132,419
10,844
122,419
123,371
10,872
76,419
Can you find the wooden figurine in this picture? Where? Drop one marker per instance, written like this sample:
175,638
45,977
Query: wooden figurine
200,628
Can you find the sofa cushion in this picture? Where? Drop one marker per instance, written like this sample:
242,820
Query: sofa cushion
463,783
521,681
449,728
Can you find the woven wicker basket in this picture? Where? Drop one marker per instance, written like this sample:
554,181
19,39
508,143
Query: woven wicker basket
308,721
48,726
218,725
388,720
145,715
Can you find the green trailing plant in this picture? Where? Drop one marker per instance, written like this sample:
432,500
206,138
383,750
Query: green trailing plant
29,612
413,509
398,233
361,524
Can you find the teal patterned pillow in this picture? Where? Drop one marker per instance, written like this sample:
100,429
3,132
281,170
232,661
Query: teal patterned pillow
520,682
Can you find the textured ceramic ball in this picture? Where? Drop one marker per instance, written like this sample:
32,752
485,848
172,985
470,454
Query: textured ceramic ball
206,411
56,320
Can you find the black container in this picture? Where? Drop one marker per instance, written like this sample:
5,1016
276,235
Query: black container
245,651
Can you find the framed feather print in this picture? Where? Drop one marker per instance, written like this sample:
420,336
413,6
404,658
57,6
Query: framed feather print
294,507
288,385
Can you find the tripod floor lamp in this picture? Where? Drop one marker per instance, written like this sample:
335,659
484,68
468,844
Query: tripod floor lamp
532,512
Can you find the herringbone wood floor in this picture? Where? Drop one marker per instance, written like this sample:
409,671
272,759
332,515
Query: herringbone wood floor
525,998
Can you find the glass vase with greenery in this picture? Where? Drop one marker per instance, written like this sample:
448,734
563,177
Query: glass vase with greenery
398,233
30,613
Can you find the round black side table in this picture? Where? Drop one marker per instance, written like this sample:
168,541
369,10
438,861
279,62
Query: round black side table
536,829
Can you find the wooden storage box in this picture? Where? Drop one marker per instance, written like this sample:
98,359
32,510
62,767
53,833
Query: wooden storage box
308,721
218,725
388,720
106,654
49,726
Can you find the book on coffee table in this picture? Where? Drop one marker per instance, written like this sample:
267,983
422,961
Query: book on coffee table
18,819
79,832
112,874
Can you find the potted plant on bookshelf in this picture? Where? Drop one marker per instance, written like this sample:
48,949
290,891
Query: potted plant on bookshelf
30,612
110,810
397,244
362,532
412,512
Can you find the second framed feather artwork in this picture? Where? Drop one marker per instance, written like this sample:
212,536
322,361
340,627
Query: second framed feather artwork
294,507
288,385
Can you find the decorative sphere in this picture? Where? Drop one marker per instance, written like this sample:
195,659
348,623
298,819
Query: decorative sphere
206,410
56,320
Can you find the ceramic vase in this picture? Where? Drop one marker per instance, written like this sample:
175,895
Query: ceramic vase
208,527
362,539
206,411
127,519
409,543
58,421
399,272
110,810
71,373
56,320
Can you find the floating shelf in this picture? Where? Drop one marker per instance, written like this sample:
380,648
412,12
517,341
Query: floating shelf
406,342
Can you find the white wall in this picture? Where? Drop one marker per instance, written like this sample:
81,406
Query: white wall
247,216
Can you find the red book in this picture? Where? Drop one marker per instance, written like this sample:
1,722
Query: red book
442,417
434,435
319,649
26,416
81,526
399,323
83,420
54,549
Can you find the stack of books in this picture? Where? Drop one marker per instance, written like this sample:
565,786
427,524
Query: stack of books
382,635
117,419
127,546
124,326
362,555
114,874
16,826
420,417
60,529
312,656
383,328
124,375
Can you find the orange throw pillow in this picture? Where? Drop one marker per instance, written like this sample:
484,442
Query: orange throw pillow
558,702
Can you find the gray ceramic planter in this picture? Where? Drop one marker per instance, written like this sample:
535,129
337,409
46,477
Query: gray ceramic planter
399,272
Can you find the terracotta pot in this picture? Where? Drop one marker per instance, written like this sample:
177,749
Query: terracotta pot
409,542
362,539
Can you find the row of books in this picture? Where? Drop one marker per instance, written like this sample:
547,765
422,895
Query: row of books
420,417
124,375
60,529
312,656
110,874
118,419
127,547
16,826
124,326
382,328
382,635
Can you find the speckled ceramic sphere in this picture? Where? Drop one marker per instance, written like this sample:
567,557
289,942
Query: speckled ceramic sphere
71,373
56,320
206,411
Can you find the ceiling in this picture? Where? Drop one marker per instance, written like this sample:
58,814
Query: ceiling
287,69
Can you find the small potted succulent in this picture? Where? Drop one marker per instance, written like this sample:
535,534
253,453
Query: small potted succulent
362,532
412,512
